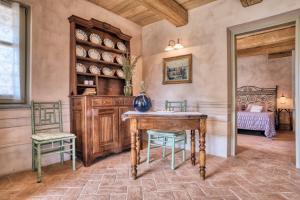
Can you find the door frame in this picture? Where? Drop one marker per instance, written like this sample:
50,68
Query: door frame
232,32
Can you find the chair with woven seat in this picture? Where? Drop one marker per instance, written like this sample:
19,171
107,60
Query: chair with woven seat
48,136
160,138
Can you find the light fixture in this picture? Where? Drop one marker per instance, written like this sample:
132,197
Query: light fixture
174,46
282,99
178,45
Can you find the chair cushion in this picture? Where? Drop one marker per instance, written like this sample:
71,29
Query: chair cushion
51,136
166,133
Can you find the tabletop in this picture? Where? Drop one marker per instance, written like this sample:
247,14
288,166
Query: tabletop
133,114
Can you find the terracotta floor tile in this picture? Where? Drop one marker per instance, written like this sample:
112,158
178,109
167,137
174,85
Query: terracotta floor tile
263,169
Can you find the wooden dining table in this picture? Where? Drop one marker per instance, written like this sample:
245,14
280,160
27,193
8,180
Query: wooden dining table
167,121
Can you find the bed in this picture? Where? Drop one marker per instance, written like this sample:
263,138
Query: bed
264,120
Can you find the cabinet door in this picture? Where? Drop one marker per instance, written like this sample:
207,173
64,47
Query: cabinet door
104,130
124,129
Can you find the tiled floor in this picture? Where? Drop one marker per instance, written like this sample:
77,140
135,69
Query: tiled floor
263,169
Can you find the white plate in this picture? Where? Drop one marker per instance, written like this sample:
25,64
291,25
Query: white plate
120,73
94,54
81,35
96,39
108,43
119,59
121,46
80,68
94,69
108,57
80,51
108,72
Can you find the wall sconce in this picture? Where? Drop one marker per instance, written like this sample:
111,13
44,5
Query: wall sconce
173,46
282,99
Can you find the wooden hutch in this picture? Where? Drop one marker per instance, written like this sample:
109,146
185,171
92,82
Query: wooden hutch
96,119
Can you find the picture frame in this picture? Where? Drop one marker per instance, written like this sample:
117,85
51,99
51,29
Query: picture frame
177,69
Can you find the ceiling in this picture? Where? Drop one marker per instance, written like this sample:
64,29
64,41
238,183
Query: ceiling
144,12
275,42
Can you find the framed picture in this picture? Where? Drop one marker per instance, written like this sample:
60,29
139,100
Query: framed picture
177,69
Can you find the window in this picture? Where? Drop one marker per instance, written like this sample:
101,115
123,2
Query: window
13,53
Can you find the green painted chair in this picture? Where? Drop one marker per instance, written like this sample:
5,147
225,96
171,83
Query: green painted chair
48,136
157,138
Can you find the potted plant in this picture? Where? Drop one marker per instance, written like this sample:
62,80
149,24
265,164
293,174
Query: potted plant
129,64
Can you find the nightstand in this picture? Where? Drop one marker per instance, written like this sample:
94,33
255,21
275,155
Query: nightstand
290,115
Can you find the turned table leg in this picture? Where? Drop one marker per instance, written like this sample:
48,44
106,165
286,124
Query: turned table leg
193,154
202,154
138,145
133,132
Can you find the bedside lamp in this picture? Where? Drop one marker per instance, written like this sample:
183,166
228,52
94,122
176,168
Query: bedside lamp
282,99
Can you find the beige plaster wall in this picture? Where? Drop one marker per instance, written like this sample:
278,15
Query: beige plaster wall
50,72
205,36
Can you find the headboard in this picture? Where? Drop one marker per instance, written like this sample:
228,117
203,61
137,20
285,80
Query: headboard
260,96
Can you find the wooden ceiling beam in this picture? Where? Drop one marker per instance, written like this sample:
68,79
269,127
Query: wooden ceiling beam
268,49
169,10
190,4
247,3
268,38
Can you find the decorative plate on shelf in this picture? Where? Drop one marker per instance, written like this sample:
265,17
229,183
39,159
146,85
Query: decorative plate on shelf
108,72
108,57
108,43
80,68
94,69
80,51
95,38
121,46
81,35
119,59
120,73
94,54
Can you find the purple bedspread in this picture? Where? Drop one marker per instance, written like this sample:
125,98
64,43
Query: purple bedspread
263,121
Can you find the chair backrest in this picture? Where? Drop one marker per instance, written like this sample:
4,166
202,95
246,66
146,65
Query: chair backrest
179,106
46,117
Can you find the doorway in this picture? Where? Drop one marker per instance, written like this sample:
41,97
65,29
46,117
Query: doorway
250,28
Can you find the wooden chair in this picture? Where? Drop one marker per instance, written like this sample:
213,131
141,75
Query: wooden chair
48,136
157,138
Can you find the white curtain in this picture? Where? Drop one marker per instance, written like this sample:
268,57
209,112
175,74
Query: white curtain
10,51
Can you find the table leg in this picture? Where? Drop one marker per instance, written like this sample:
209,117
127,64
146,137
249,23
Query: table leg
202,154
133,132
138,145
193,154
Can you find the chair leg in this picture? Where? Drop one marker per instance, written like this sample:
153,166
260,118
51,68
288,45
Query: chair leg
73,154
33,157
183,151
61,143
39,163
149,148
173,154
164,148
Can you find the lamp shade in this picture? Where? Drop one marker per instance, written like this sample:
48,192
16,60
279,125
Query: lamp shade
282,99
169,48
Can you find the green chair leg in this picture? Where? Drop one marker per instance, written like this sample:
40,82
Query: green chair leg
61,143
164,148
73,154
33,157
173,154
149,148
39,164
183,151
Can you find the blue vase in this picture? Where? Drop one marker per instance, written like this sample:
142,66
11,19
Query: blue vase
142,103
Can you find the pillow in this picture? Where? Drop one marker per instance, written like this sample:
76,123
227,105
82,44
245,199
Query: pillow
248,107
256,108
